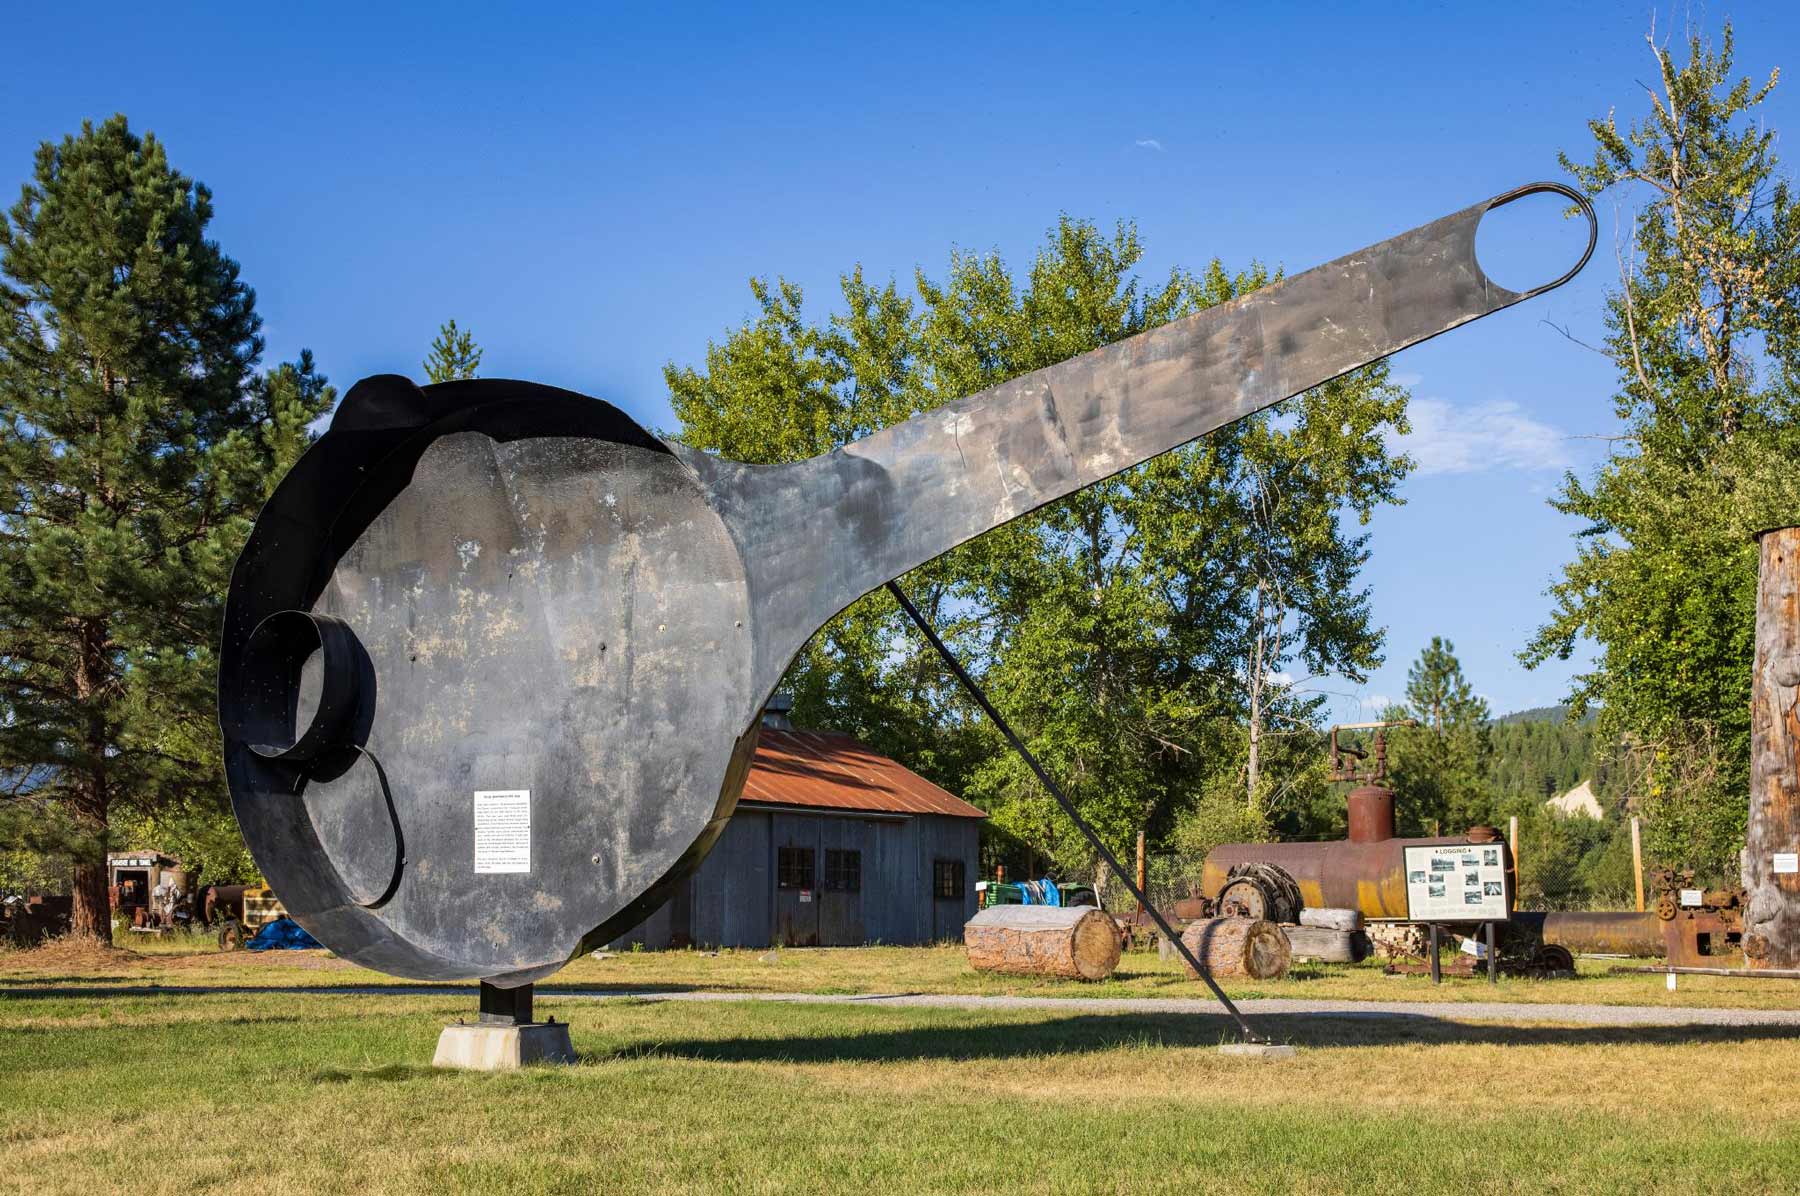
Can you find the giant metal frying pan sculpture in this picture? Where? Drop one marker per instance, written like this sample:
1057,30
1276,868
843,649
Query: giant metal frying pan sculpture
501,602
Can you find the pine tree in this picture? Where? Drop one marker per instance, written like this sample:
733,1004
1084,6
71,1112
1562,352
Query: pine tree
1439,767
454,355
136,445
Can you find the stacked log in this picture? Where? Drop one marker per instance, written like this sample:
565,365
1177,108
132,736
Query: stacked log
1327,946
1329,936
1079,943
1246,948
1349,920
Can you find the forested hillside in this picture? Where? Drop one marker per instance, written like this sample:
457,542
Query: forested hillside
1539,753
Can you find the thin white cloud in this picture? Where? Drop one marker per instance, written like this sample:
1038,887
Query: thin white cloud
1149,143
1450,438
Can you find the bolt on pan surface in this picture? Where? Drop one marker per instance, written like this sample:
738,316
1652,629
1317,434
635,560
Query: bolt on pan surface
494,655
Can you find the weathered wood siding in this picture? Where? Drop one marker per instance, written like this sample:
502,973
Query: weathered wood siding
734,901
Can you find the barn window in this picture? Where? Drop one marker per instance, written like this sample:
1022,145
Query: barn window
947,879
794,868
843,871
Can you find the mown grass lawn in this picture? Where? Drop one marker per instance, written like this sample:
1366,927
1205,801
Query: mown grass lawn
327,1092
285,1089
911,969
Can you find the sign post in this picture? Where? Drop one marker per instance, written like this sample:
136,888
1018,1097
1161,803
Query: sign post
1458,882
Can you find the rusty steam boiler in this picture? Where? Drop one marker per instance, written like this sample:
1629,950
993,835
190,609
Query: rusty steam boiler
1365,871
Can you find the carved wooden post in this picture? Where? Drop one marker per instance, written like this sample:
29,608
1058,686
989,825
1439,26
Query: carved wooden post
1771,869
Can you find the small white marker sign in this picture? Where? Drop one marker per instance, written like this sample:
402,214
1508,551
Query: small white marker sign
502,831
1787,861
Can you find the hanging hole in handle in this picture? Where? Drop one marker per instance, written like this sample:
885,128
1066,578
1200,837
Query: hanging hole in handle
1527,235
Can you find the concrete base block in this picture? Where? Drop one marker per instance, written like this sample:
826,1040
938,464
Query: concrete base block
503,1048
1257,1050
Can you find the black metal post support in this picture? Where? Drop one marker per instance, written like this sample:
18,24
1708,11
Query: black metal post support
505,1006
1493,960
1437,974
1068,807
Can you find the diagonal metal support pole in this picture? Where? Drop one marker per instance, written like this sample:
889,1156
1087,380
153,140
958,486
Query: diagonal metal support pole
1068,807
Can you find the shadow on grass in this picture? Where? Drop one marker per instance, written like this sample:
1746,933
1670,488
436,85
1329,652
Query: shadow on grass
53,987
389,1073
1089,1033
214,1023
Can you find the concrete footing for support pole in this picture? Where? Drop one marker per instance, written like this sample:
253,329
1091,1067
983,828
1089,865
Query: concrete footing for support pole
479,1047
1257,1050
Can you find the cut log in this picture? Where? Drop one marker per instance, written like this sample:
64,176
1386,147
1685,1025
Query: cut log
1332,919
1238,947
1081,943
1326,945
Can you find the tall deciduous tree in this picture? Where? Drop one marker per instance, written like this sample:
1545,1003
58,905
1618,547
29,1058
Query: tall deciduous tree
454,355
136,444
1117,628
1701,330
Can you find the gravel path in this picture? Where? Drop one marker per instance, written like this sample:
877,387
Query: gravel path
1460,1011
1589,1015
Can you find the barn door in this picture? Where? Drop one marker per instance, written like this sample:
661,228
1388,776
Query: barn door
948,900
796,881
841,884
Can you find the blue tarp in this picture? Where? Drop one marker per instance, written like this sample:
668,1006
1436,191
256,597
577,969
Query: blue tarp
283,934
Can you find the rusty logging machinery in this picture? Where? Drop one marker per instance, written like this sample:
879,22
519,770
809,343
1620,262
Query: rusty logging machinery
494,655
1262,888
1366,870
1699,924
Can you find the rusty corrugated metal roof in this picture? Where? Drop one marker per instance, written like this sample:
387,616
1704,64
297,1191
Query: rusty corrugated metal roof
833,771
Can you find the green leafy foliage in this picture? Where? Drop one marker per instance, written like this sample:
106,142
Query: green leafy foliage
1701,329
1133,632
136,445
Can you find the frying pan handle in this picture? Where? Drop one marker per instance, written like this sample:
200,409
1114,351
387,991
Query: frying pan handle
882,506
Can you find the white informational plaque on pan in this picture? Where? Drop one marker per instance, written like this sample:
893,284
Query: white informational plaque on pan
1456,882
502,831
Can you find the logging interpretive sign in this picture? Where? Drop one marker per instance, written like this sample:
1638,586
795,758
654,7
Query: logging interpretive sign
502,831
1456,882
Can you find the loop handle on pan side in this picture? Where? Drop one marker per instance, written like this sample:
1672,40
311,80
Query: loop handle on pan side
1549,188
274,656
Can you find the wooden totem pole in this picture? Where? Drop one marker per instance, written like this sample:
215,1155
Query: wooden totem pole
1771,869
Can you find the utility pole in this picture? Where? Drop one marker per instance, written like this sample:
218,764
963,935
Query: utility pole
1771,862
1637,862
1142,874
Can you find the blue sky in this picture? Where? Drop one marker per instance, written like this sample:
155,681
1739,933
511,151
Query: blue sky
589,190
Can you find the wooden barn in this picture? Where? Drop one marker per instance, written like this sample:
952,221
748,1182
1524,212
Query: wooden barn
831,845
